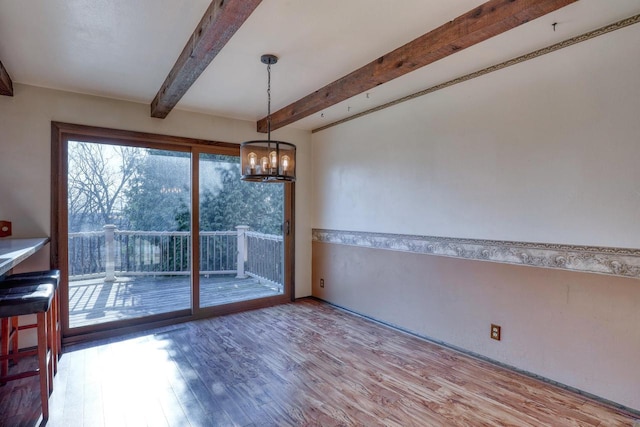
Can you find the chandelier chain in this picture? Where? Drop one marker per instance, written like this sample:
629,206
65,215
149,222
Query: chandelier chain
269,101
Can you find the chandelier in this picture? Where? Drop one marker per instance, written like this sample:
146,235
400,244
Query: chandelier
267,160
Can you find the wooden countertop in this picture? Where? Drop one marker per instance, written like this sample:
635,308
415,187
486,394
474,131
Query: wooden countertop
14,251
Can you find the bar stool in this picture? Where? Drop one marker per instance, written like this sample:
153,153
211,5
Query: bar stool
30,298
49,276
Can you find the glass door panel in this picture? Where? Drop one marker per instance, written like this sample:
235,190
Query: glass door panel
129,225
241,235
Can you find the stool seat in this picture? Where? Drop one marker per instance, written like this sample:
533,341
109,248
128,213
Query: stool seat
25,299
52,276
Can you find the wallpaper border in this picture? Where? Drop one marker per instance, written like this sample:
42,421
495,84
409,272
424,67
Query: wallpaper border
589,259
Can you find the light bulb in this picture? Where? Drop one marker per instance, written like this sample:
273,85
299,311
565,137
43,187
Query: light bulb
273,157
253,158
265,164
285,163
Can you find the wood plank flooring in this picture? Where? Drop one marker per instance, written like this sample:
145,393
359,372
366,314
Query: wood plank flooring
298,364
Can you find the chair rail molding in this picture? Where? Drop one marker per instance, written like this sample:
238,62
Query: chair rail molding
589,259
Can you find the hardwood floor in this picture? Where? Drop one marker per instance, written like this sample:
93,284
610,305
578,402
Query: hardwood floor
304,363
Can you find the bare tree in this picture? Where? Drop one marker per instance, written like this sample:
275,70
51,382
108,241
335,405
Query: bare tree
98,177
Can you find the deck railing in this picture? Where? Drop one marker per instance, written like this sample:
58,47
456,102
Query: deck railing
266,255
115,252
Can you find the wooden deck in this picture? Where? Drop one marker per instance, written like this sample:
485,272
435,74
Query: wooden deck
95,301
298,364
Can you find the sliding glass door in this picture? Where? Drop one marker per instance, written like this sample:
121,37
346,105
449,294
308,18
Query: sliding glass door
151,228
241,239
129,240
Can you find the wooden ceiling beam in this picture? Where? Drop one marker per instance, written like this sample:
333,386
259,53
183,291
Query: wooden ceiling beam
219,23
485,21
6,85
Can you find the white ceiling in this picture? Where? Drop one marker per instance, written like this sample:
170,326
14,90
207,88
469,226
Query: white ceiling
124,49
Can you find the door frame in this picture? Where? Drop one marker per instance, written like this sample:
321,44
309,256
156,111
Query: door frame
61,134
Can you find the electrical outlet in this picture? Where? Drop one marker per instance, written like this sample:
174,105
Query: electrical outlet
322,283
495,332
5,228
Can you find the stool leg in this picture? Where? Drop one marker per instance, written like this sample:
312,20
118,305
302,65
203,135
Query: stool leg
50,341
15,323
58,330
5,329
42,364
54,332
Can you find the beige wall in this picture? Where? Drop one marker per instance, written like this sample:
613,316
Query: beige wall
544,151
25,156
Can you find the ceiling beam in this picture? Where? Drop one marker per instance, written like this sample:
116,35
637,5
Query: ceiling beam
485,21
6,85
219,23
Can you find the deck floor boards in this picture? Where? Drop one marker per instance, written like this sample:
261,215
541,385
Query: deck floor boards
299,364
94,301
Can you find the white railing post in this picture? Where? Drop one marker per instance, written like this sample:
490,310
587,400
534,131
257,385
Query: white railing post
110,255
242,249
